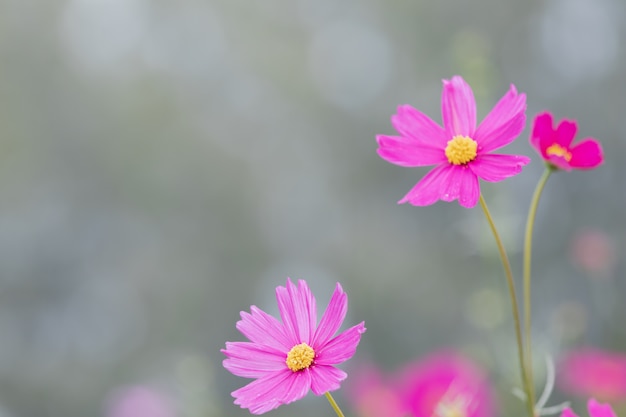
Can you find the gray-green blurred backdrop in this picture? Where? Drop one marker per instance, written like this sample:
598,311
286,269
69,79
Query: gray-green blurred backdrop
165,164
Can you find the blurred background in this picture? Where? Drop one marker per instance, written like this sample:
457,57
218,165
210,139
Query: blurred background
166,164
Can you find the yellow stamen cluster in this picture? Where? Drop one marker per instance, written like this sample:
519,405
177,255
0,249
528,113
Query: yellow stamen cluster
461,150
455,408
446,410
557,150
454,404
300,357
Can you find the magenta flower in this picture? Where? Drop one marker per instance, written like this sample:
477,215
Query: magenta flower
555,146
594,372
595,410
289,358
461,152
446,385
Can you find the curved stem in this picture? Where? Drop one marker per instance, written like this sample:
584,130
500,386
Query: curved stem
528,241
333,404
514,306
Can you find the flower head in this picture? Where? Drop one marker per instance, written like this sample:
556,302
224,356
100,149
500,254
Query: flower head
594,372
555,146
290,358
446,385
461,151
595,410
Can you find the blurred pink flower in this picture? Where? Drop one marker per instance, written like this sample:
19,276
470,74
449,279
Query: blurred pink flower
461,152
372,394
595,410
446,385
555,145
590,372
593,251
290,358
140,401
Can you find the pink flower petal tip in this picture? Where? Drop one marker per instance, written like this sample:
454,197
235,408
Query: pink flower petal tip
291,357
595,410
556,148
461,152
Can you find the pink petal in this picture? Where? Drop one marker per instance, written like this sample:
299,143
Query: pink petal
268,393
565,132
599,410
407,153
445,182
586,154
426,191
542,128
326,378
496,167
568,413
260,327
463,185
458,108
503,123
341,348
250,360
332,318
300,384
419,128
298,311
470,190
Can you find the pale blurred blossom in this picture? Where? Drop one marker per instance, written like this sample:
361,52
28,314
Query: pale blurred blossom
140,401
593,372
593,251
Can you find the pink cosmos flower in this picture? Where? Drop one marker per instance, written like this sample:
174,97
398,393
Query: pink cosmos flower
594,372
595,410
289,358
555,146
446,385
461,152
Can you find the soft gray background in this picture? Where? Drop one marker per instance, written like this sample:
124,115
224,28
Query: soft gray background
166,164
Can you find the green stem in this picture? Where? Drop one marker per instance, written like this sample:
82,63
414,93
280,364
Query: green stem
528,241
514,306
333,404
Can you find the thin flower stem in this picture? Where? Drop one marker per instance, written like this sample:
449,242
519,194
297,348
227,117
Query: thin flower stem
514,306
528,241
333,404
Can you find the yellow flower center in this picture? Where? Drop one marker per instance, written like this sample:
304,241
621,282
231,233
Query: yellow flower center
454,403
557,150
456,407
450,410
300,357
461,150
